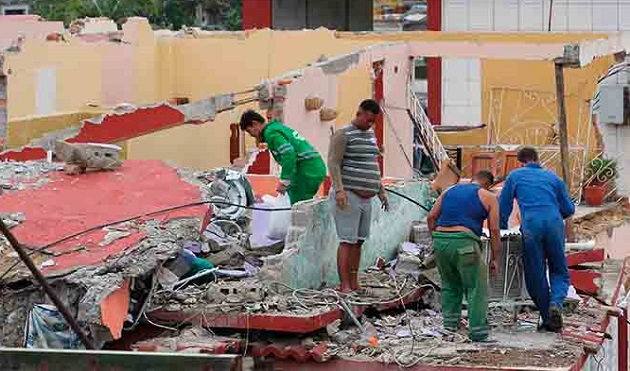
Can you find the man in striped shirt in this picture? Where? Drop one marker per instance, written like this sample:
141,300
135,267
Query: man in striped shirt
356,179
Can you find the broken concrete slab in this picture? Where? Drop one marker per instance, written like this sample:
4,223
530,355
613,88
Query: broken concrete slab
89,155
309,259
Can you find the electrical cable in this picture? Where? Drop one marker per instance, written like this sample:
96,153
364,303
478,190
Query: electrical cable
153,213
408,199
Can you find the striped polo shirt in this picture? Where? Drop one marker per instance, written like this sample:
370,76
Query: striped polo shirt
359,169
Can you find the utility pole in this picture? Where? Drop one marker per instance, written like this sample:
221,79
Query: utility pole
564,135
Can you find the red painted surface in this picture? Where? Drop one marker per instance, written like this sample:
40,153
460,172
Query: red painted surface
584,281
434,15
235,142
116,128
434,65
256,14
582,257
379,96
262,164
295,351
434,83
624,276
269,322
273,322
112,129
210,345
25,154
70,204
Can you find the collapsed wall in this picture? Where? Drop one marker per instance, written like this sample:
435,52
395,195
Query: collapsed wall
84,290
309,258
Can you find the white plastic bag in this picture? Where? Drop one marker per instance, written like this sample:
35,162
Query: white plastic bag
279,221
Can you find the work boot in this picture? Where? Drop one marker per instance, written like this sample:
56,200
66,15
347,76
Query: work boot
555,319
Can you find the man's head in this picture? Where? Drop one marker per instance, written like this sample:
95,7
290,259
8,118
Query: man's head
253,123
366,114
484,178
526,155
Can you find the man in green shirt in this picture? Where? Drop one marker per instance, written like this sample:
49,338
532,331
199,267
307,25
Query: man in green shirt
303,169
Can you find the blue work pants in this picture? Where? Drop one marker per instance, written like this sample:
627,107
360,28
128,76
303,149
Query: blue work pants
543,237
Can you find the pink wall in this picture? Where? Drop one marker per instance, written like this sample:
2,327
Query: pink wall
13,26
313,83
398,130
117,70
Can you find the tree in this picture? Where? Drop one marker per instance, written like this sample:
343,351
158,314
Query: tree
117,10
171,14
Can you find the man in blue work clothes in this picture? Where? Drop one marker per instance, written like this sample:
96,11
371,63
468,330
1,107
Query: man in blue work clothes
544,203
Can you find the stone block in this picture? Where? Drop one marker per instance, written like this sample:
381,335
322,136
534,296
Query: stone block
89,155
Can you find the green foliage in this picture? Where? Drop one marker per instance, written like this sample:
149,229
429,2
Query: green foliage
171,14
601,170
118,10
232,17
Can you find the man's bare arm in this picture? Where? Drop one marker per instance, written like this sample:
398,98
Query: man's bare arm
492,205
434,214
336,152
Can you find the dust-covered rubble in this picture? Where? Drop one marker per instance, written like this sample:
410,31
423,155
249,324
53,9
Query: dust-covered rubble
90,285
26,175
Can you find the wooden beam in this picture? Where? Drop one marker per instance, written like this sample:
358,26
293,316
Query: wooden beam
564,136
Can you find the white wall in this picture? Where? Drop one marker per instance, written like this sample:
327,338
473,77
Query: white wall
533,15
461,77
461,91
617,137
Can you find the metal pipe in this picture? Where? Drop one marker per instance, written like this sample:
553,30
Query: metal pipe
61,307
580,246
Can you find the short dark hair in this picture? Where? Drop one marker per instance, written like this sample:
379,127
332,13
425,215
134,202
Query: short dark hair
487,175
248,118
527,154
370,105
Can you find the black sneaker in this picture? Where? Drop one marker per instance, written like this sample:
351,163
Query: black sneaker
555,319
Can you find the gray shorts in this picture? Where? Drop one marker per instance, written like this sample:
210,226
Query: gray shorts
353,221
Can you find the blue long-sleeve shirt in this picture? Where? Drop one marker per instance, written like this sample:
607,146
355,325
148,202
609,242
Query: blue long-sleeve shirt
536,190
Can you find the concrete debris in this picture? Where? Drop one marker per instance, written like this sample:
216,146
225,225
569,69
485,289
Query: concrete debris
13,219
190,340
89,286
417,335
206,109
26,175
339,65
80,157
604,221
113,236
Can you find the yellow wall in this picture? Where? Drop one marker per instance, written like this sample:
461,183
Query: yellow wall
78,76
21,131
353,86
197,68
528,96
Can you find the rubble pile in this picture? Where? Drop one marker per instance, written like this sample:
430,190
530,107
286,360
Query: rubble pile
26,175
85,288
590,226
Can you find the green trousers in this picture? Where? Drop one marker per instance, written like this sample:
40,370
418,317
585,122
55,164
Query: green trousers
308,178
463,272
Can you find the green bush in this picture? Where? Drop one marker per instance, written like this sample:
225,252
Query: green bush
601,170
